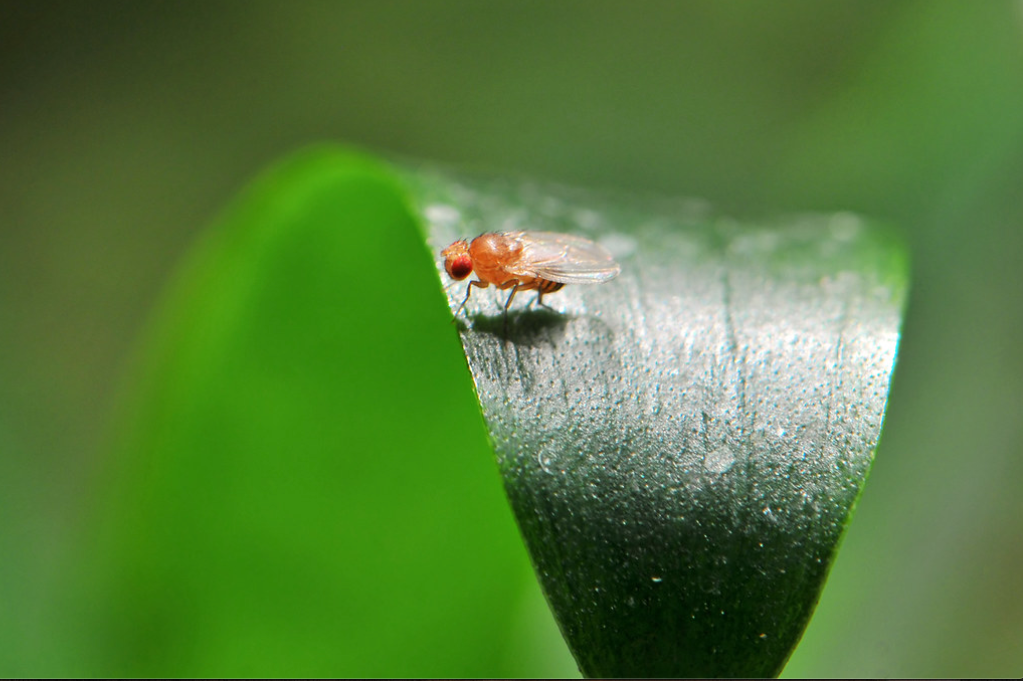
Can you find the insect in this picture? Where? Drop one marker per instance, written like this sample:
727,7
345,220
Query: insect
526,261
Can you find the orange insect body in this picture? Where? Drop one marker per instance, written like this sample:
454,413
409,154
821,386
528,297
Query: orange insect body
525,261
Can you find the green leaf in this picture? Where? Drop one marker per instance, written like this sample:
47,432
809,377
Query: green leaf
682,446
301,484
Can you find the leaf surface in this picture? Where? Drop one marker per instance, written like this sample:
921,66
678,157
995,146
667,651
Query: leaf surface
682,446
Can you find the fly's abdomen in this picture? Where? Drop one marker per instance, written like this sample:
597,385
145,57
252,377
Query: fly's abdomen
548,286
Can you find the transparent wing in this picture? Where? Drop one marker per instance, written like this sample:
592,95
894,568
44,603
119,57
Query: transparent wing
563,258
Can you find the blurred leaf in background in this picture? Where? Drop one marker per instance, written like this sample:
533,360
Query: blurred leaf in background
301,485
125,126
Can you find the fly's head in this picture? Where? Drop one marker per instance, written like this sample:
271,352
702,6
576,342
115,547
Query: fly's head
457,261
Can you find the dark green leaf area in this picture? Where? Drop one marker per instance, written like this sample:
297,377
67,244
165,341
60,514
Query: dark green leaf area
682,446
303,486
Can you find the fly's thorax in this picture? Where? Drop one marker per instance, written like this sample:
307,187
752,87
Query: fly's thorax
492,253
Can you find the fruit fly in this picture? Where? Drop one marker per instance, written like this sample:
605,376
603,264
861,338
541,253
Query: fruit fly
526,261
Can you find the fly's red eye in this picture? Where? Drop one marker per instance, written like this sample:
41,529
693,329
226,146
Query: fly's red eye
461,267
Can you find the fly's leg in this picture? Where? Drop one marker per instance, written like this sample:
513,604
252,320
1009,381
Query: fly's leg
468,291
547,287
539,300
511,295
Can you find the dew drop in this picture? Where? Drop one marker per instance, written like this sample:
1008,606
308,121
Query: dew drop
719,461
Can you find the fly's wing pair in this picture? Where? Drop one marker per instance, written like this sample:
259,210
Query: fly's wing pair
562,258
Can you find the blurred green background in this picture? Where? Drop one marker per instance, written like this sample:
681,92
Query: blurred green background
125,127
